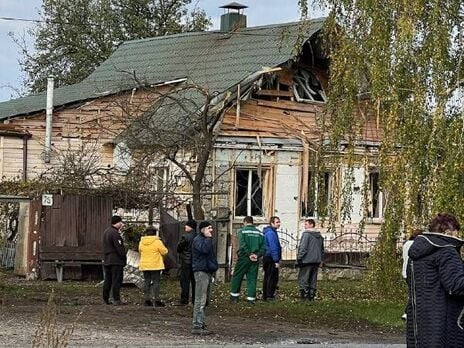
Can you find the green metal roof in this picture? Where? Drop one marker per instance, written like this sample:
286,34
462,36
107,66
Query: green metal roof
214,60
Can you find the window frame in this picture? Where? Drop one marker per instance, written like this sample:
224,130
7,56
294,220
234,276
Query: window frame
329,182
249,199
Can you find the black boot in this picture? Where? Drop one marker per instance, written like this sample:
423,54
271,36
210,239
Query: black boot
302,294
311,295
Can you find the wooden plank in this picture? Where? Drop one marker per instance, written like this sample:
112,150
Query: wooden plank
274,93
289,105
67,256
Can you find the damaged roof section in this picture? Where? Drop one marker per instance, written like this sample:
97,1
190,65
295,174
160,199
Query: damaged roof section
215,60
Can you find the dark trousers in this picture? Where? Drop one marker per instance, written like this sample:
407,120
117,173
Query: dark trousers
307,278
187,280
113,282
151,285
271,277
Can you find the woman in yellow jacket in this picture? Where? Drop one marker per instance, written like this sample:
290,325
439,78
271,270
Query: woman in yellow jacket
151,263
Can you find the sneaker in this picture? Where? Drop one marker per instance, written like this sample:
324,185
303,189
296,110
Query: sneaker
404,316
159,304
200,332
119,303
270,299
148,303
234,299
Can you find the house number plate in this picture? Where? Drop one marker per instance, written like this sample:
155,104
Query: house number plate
47,200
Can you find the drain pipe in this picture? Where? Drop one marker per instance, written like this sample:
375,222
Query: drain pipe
26,137
48,120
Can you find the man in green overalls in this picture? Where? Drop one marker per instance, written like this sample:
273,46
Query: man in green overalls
250,248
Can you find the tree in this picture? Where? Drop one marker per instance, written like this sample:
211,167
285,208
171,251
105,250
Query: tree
75,36
404,60
180,128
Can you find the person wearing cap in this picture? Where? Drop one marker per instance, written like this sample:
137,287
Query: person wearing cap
184,251
251,247
114,261
152,250
204,264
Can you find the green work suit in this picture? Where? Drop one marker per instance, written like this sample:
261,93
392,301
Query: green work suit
250,241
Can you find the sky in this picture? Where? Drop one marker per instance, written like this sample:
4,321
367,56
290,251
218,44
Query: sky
259,12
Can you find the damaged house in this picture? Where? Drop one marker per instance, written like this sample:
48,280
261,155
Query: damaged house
267,101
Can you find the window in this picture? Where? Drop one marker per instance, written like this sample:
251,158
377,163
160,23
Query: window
375,204
318,196
122,158
249,192
160,176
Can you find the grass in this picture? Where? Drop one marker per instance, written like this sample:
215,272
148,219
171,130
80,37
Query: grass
342,304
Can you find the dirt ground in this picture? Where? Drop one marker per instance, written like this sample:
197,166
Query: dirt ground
133,325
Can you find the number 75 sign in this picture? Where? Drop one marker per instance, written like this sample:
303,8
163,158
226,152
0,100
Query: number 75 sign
47,200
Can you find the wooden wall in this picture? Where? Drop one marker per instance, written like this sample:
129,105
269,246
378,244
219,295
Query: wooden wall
95,123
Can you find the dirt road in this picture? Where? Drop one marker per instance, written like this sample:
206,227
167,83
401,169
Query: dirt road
138,326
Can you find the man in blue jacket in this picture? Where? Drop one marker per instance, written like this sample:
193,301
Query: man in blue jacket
204,264
271,260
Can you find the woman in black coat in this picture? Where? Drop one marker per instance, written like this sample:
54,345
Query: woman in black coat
435,278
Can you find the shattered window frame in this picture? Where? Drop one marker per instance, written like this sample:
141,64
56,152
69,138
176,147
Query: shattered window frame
249,193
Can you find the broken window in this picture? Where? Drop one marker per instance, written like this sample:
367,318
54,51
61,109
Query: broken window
249,192
319,193
375,204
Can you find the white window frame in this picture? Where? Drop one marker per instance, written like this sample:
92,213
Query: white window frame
122,158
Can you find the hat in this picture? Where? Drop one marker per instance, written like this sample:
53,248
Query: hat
115,219
192,224
204,224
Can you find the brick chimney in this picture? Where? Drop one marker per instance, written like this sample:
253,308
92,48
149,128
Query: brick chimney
233,17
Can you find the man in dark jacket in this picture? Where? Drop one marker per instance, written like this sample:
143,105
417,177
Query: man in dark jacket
184,250
204,264
435,276
114,261
309,258
271,259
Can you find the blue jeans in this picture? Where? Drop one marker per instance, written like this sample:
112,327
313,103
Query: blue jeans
202,297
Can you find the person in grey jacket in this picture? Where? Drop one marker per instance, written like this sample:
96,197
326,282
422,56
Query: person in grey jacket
309,258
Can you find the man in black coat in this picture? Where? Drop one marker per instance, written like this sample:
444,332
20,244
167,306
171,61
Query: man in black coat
184,250
114,261
435,276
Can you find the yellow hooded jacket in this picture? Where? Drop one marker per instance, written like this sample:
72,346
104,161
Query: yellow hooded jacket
151,250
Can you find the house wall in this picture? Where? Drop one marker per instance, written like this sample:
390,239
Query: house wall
286,120
88,126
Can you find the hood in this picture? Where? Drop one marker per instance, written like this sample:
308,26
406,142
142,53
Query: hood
315,233
269,229
429,242
147,240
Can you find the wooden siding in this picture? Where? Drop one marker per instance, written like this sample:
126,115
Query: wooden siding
11,157
96,122
283,119
289,119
